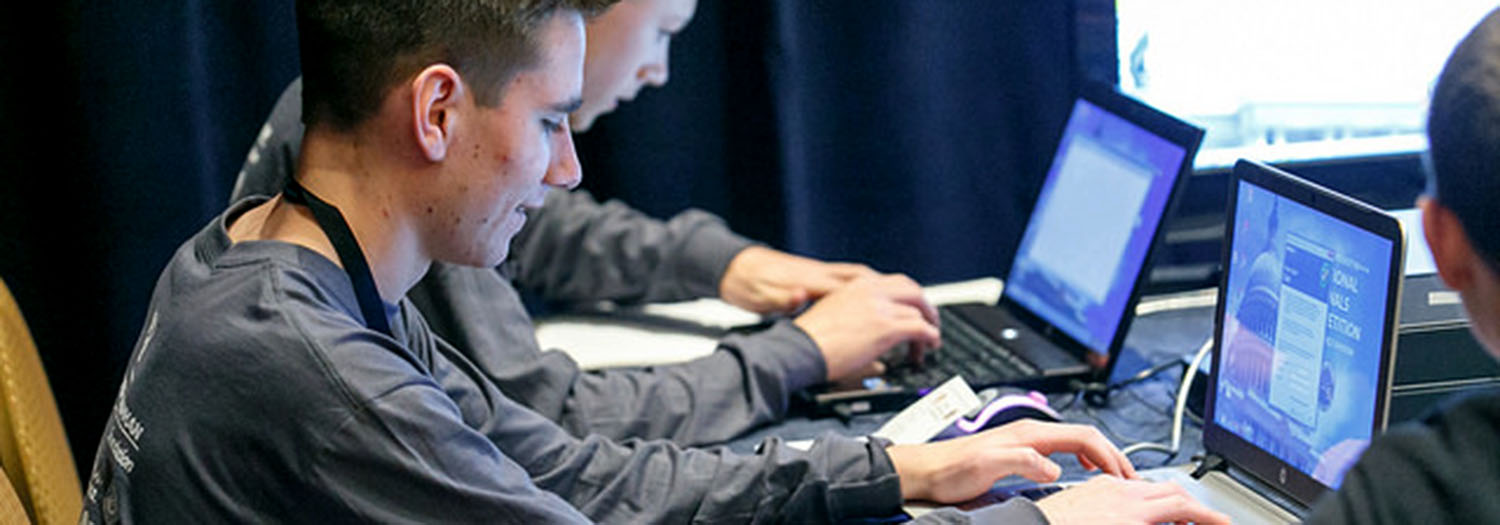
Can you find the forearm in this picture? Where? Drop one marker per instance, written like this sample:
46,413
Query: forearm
575,249
743,385
836,480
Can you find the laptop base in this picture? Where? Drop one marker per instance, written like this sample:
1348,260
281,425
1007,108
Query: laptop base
1221,492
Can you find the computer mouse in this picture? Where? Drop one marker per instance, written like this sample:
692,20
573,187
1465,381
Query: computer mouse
999,410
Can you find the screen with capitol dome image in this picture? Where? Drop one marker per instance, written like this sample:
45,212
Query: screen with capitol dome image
1304,311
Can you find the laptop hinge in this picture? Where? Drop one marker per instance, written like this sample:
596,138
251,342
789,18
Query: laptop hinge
1210,463
1266,491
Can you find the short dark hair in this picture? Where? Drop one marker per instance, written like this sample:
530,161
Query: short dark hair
354,51
1463,130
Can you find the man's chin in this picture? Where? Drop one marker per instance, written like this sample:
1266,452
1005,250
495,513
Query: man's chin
494,259
479,260
581,122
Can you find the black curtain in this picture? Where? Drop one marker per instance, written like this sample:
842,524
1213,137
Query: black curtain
908,135
125,123
920,152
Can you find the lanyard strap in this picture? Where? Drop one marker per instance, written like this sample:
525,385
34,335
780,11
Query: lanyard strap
337,229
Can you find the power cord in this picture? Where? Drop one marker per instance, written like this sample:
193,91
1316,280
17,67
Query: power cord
1146,374
1096,394
1178,409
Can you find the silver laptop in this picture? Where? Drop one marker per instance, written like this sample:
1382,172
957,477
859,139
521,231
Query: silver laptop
1304,345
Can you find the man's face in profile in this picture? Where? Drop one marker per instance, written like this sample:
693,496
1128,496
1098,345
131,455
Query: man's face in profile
504,158
627,51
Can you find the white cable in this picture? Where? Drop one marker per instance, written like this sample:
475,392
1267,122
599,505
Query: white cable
1181,301
1177,410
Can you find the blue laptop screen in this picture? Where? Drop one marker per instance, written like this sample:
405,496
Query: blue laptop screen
1305,308
1093,224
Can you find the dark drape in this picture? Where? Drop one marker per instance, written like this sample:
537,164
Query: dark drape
907,134
125,123
919,154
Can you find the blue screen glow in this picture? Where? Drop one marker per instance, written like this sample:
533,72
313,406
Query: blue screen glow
1302,334
1093,224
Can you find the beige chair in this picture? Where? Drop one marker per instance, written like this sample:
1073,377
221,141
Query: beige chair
33,448
11,511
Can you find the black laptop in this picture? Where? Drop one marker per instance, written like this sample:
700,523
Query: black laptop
1080,267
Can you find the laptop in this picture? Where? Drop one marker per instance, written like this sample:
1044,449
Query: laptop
1080,266
1304,345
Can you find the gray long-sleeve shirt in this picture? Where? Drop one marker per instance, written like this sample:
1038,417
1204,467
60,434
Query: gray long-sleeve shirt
257,394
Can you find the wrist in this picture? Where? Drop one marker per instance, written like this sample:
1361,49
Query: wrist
833,364
737,263
906,460
734,286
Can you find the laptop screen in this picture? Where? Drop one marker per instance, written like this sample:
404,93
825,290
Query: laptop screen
1303,326
1093,224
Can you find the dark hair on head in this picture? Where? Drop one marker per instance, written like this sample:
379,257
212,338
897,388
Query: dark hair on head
354,51
1463,129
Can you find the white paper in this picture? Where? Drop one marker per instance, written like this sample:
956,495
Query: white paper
596,345
931,414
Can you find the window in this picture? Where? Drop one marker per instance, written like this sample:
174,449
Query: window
1292,80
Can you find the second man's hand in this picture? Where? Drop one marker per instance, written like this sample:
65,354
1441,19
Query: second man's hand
856,324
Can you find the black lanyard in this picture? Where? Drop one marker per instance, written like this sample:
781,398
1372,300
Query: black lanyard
337,229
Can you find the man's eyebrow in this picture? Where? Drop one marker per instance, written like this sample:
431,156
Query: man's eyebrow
568,107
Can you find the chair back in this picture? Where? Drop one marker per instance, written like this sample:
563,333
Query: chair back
11,510
33,447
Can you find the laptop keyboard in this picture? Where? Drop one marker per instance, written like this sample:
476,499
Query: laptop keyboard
968,352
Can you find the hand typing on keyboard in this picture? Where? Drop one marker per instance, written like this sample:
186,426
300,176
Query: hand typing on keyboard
854,325
962,468
1107,499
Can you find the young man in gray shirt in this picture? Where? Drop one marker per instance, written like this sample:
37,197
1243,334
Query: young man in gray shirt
281,375
577,250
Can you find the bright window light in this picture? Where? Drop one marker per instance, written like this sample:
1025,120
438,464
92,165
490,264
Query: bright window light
1290,80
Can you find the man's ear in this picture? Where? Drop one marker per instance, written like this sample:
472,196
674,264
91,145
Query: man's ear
1451,251
436,94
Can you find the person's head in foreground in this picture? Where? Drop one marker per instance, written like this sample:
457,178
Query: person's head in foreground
1461,212
1442,468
